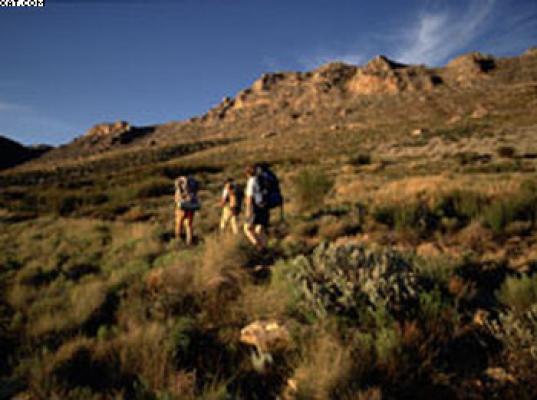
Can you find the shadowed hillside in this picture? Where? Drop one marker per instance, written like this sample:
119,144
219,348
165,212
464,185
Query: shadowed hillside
13,153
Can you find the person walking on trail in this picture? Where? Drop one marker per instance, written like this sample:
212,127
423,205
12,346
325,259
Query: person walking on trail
187,203
231,203
257,213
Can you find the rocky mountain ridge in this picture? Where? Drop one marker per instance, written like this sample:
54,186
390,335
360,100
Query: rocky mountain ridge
332,96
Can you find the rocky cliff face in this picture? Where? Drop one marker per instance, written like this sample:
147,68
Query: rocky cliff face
303,93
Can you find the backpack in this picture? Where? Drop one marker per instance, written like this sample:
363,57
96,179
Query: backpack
188,188
235,196
269,186
192,186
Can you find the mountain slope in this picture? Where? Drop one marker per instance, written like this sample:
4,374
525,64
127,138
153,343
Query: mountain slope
13,153
334,97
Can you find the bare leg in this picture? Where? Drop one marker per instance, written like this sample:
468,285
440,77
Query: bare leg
234,224
249,231
225,218
189,220
179,220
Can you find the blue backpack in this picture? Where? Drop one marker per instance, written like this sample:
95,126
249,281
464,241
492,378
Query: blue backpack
269,186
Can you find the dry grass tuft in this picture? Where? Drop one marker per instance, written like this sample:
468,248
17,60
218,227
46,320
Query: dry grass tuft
325,370
223,263
144,351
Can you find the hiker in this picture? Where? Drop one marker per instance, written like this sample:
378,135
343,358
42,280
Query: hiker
187,203
257,214
231,203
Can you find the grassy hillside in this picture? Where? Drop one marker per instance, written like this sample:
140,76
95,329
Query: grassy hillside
404,268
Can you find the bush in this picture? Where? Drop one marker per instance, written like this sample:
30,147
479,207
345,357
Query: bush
506,151
413,216
311,186
384,215
518,293
68,204
519,207
361,159
465,205
516,332
346,280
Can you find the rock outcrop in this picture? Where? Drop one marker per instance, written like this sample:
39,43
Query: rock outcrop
105,129
297,95
106,135
466,69
382,75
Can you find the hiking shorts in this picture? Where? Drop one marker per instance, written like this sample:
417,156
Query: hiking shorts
260,216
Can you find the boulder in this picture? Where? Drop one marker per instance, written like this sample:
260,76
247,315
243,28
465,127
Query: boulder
266,336
428,249
267,135
480,317
499,374
418,132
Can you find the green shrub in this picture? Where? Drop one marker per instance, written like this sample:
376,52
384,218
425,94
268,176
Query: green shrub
69,204
516,332
415,216
506,151
385,215
311,186
438,270
518,293
181,339
412,216
519,207
465,205
497,215
346,280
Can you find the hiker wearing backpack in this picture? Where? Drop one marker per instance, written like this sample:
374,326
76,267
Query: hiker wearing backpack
257,215
262,194
231,203
187,203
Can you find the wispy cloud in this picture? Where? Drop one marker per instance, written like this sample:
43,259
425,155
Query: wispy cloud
9,107
437,31
439,35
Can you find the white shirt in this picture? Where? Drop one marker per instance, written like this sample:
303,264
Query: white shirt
225,193
252,190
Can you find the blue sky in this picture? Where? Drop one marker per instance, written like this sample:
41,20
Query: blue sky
75,63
